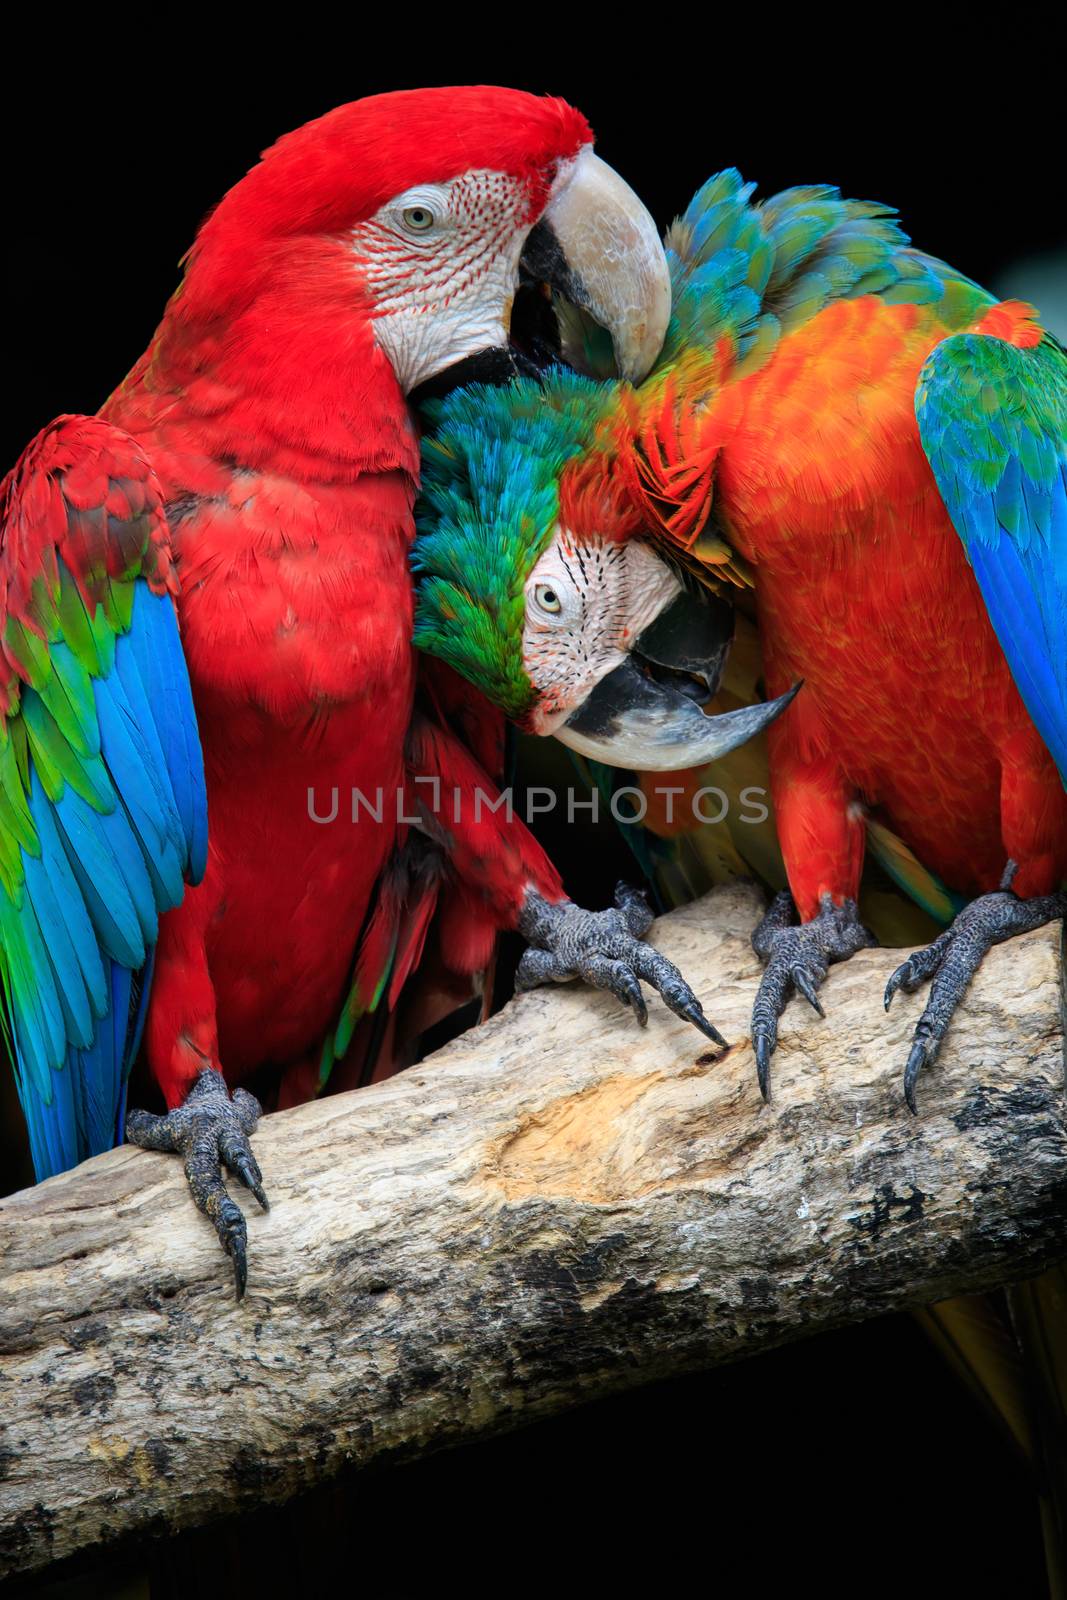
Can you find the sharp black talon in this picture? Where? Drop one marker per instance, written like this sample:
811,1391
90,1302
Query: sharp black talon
763,1065
251,1178
625,985
916,1062
233,1236
699,1020
806,988
240,1272
898,980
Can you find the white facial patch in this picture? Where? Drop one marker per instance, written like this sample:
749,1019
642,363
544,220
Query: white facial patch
441,263
585,605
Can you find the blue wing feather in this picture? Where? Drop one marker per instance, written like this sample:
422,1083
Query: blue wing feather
103,808
81,943
993,422
160,663
102,800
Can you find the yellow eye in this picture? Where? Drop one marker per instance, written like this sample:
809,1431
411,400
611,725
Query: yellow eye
418,219
548,599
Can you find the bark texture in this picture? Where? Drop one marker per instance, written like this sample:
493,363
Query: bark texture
557,1205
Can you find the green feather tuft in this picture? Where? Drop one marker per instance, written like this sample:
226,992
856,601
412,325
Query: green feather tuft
489,507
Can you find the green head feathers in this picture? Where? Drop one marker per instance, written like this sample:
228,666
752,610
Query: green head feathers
743,272
491,468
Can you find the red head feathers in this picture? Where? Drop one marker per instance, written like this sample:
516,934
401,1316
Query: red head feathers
327,176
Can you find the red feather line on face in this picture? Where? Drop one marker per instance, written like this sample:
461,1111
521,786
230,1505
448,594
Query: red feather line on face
484,208
325,177
269,339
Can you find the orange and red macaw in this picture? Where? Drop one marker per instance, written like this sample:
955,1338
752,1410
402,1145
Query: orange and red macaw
880,446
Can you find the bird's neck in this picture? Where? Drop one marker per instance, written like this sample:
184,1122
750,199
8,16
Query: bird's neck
292,383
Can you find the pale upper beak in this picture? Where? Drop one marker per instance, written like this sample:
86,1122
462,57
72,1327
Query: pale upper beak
598,246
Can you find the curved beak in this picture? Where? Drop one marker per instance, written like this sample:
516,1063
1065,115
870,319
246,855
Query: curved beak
646,714
598,247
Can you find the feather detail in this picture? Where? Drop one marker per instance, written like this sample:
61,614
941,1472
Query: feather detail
101,778
992,413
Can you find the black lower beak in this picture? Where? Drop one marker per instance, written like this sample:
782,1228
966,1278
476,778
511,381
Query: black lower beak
690,640
534,339
645,715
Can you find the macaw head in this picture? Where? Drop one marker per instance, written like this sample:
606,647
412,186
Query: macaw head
444,217
533,581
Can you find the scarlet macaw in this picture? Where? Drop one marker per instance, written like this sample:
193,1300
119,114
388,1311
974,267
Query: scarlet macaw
252,482
880,446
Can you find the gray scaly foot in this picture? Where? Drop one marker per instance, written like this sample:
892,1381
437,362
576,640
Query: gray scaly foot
607,949
209,1129
954,958
796,959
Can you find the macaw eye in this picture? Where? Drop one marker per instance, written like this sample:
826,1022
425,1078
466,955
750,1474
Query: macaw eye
547,598
418,219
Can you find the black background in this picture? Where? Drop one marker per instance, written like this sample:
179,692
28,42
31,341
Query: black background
108,179
854,1463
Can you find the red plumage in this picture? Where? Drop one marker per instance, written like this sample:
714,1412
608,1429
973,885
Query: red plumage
83,486
289,466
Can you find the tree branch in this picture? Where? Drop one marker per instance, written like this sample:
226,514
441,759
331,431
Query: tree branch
557,1205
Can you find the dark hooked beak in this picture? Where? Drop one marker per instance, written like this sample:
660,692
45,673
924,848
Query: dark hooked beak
646,714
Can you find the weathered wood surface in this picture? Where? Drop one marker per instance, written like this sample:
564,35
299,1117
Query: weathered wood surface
557,1205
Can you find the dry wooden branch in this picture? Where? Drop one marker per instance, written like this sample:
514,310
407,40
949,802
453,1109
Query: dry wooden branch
557,1205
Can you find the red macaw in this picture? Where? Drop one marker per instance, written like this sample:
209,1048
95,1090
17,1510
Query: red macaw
252,481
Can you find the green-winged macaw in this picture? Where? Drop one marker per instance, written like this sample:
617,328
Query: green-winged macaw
206,613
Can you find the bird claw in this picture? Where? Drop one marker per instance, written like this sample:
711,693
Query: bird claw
607,950
955,956
763,1042
921,964
796,959
923,1050
209,1130
805,982
232,1230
